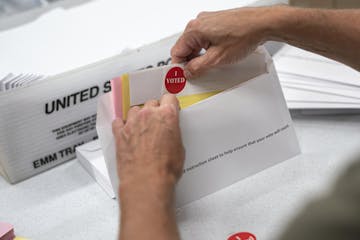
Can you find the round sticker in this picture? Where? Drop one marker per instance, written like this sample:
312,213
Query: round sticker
175,80
242,236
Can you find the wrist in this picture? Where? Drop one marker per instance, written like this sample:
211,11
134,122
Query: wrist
280,21
157,193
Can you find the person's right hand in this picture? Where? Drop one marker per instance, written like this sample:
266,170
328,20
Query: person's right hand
227,36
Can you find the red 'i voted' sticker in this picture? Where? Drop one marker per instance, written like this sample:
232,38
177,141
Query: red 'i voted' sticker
175,80
242,236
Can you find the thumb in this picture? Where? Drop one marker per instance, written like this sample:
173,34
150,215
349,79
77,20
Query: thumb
198,65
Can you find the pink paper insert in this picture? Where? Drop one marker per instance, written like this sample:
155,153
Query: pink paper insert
116,89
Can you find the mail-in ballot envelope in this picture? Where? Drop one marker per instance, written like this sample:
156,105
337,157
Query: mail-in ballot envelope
234,121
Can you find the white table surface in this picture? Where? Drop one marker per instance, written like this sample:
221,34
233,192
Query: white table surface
66,203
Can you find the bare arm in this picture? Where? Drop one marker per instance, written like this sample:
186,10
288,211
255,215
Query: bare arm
331,33
231,35
150,158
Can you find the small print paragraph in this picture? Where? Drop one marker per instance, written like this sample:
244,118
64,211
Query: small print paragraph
240,147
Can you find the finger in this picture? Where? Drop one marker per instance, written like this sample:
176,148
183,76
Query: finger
170,99
203,14
117,125
118,129
201,64
152,103
132,113
189,44
181,50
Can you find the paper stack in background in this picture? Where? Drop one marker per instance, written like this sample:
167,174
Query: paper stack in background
315,84
12,7
42,123
12,81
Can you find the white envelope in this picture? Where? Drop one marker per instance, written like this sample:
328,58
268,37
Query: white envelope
228,136
298,62
91,158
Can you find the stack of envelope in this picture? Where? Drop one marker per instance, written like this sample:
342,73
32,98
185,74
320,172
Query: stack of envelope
316,84
12,81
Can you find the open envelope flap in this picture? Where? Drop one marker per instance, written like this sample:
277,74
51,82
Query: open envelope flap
148,84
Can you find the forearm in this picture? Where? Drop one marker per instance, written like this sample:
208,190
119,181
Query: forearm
150,157
331,33
147,213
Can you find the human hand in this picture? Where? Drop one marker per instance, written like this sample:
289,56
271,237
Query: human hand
150,153
227,36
